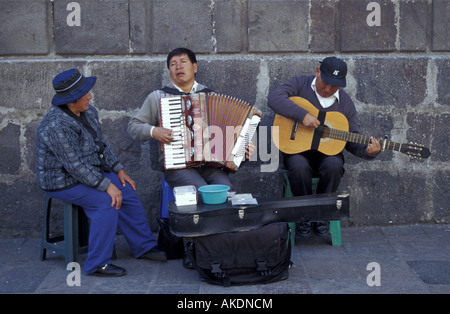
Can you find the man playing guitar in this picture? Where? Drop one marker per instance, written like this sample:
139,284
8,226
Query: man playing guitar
323,91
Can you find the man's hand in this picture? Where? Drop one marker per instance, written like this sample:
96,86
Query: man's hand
163,135
310,121
374,146
124,178
116,195
250,150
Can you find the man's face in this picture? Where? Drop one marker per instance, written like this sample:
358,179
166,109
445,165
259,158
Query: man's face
81,104
182,70
323,89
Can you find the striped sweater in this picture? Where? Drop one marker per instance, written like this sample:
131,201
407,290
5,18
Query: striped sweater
71,150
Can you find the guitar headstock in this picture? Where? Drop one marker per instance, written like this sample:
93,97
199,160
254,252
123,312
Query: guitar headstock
415,151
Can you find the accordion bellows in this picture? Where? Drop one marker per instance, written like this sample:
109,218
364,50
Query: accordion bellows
208,129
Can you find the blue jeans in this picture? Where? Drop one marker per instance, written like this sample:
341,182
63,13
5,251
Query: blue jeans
105,219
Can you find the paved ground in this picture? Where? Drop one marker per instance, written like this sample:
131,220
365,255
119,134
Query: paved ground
411,259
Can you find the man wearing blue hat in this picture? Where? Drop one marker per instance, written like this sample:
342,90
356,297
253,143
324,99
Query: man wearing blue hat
324,91
75,163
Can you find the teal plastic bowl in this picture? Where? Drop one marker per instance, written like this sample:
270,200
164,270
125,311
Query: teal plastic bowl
214,193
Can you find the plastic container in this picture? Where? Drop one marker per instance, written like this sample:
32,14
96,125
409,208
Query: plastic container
185,195
214,193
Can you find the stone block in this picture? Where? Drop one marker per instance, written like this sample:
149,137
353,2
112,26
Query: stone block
30,140
124,85
182,23
22,208
10,143
28,85
441,196
228,26
382,197
24,27
139,27
440,29
283,69
355,32
104,27
280,26
233,77
440,150
413,25
443,88
421,129
125,148
390,81
323,29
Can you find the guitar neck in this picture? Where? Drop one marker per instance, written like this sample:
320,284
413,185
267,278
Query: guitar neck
362,139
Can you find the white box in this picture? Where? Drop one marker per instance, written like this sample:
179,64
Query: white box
185,195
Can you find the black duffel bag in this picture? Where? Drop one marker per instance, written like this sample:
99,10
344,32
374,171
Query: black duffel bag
168,242
242,258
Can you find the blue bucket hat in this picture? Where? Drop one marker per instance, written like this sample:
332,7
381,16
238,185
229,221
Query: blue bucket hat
70,86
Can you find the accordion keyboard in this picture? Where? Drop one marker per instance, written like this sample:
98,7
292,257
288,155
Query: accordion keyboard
172,118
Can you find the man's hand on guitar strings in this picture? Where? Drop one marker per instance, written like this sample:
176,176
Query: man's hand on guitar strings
310,121
374,146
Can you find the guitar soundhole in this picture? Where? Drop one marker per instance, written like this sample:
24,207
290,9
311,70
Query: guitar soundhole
326,131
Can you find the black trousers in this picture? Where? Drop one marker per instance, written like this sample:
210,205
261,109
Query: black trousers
197,176
304,166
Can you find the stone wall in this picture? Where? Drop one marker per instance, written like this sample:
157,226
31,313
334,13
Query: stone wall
399,64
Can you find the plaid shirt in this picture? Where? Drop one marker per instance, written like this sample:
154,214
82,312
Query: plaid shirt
71,150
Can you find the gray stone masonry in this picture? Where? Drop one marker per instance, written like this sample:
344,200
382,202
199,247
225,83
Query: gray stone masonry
397,53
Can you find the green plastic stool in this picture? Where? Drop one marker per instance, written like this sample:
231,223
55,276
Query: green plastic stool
334,225
76,233
71,248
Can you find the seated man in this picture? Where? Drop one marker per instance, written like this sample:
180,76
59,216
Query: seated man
75,163
324,91
182,65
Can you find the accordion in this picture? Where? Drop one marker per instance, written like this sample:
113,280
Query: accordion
208,129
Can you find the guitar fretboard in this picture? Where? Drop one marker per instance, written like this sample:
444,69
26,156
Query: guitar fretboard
359,138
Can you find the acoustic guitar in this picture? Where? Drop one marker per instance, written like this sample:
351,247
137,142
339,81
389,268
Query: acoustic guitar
330,138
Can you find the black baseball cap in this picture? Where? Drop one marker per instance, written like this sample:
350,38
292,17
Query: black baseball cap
333,71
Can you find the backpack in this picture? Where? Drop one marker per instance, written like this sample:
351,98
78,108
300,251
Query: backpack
242,258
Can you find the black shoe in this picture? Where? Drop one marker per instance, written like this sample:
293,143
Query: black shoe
187,263
303,229
320,228
109,270
155,254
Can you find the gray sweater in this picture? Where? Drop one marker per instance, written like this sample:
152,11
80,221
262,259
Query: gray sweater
71,150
